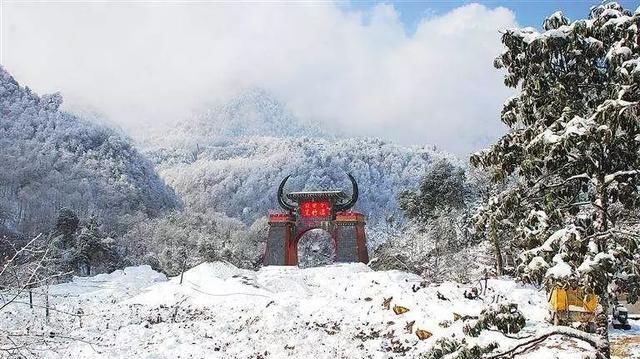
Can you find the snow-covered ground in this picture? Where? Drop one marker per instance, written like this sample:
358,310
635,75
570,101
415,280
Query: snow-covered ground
223,312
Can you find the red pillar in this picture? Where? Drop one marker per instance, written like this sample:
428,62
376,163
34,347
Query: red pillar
361,241
291,251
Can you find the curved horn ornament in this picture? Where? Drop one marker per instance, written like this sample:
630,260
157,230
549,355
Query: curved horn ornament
354,196
281,201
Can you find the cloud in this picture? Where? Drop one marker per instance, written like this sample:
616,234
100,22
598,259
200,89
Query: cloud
149,63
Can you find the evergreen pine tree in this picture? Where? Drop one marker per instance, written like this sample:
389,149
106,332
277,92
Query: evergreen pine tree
94,251
436,208
573,144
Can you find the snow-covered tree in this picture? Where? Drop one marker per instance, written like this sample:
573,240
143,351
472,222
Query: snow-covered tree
493,221
436,238
95,251
186,238
66,226
50,159
442,189
573,144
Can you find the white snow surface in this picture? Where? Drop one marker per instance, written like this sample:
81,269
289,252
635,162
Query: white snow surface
560,270
220,311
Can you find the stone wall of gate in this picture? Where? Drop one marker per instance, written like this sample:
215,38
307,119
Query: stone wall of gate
276,244
346,245
285,230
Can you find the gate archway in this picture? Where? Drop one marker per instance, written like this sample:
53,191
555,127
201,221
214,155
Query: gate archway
327,210
315,248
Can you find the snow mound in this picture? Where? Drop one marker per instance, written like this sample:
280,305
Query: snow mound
112,286
220,311
205,271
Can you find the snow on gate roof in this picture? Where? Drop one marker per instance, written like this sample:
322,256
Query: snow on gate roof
307,195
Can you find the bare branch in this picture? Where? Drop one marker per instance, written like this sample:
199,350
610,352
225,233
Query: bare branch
594,340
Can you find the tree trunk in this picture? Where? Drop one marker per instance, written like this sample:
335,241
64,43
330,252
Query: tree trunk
486,282
601,225
602,326
435,271
46,303
496,248
601,207
184,265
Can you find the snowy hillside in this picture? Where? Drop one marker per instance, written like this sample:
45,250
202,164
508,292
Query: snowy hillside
51,159
223,312
233,157
253,112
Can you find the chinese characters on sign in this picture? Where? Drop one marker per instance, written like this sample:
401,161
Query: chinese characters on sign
315,209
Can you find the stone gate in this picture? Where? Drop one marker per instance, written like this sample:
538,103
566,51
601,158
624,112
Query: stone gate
304,211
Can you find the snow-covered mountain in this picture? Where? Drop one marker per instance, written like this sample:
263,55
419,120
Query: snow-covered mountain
233,157
220,311
253,112
50,159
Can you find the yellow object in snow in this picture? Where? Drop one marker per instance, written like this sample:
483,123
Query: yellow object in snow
398,309
572,300
423,334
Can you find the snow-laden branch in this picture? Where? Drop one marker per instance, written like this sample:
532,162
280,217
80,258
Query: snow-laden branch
582,176
559,236
611,177
44,338
596,341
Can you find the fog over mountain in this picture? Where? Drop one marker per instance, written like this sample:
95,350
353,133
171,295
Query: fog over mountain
150,64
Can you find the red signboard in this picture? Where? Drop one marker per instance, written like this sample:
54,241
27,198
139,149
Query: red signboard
315,209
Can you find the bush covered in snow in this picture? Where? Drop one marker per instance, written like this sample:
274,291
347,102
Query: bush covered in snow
503,317
436,243
183,239
452,348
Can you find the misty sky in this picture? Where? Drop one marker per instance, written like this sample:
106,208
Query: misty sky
412,72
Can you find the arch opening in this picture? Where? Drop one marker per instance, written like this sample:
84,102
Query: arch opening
316,248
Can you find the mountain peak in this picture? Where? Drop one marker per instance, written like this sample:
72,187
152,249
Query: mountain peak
253,112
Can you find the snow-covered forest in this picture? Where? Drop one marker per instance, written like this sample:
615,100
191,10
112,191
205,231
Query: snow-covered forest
51,159
220,178
152,243
214,162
